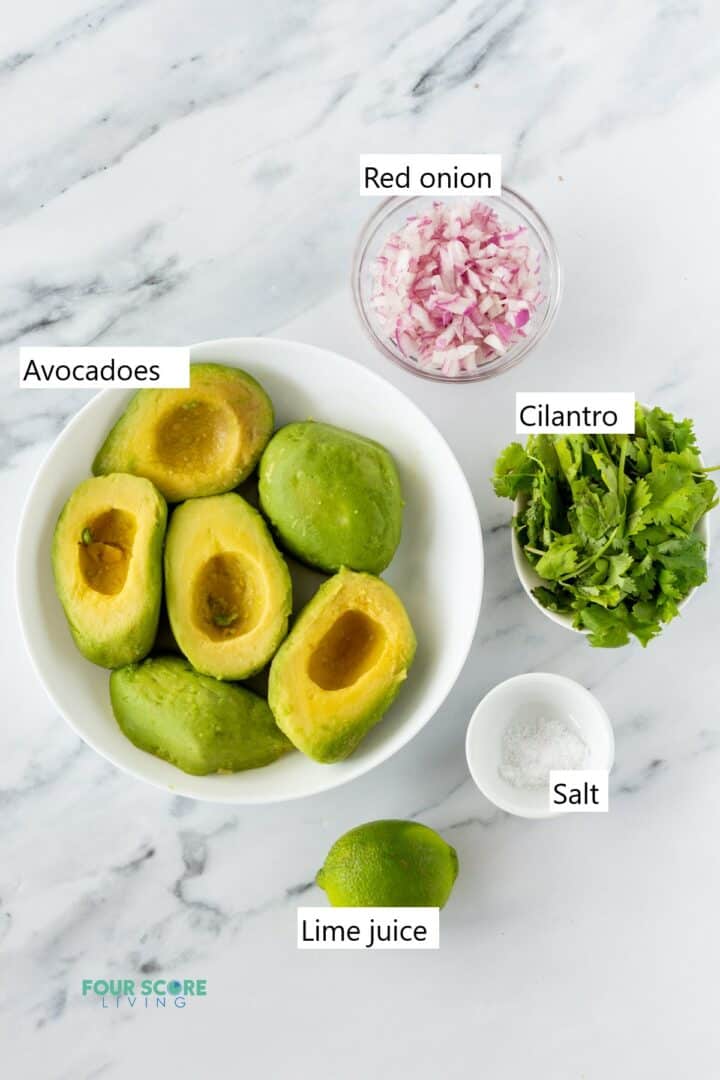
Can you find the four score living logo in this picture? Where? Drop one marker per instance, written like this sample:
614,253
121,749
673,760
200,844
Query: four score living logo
147,994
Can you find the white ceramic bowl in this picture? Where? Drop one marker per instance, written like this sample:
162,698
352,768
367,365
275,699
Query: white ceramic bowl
530,579
438,569
546,693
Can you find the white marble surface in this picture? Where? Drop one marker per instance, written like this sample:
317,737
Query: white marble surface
174,172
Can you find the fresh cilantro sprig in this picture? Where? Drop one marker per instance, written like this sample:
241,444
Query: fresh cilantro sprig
608,522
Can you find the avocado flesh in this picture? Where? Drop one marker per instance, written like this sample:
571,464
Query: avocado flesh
341,666
228,588
107,565
333,497
199,441
196,723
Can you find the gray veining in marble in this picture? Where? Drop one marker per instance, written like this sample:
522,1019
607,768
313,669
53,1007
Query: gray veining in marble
173,172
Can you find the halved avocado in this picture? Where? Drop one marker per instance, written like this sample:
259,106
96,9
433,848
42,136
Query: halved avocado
332,496
200,441
196,723
228,588
107,563
341,666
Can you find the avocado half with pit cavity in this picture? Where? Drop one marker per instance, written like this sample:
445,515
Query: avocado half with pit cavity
199,441
196,723
333,497
107,564
228,588
341,666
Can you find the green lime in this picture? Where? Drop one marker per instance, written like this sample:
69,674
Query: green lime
389,864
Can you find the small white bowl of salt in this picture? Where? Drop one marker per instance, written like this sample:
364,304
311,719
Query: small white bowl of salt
529,726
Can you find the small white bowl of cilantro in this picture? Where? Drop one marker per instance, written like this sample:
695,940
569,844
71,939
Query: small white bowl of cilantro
610,534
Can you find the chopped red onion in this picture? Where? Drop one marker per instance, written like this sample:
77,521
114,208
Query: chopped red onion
455,287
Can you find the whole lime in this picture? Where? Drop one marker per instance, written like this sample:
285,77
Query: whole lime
389,864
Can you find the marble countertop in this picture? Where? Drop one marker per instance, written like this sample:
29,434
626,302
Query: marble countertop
174,173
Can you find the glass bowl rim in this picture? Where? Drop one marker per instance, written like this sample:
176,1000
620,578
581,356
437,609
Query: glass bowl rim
508,360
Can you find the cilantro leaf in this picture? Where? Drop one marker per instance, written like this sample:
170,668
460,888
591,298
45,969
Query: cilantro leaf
675,497
640,498
559,560
514,472
554,598
608,629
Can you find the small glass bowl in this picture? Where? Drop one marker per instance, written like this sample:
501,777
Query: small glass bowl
512,210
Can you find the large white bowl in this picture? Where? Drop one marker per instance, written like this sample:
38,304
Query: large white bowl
438,569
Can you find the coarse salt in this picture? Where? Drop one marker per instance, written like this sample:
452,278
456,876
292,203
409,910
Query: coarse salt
533,745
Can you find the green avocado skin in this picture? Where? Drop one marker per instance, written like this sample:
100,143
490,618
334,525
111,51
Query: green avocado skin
333,497
330,749
137,642
182,634
389,864
117,453
195,722
327,746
